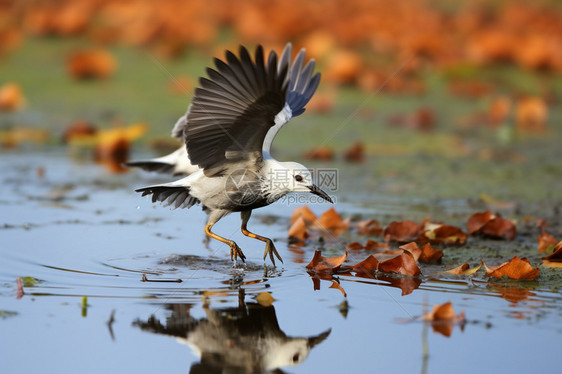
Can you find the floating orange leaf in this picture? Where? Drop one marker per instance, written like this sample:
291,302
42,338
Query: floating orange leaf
403,232
442,234
402,264
369,227
464,269
413,248
373,245
546,241
531,114
81,132
443,318
368,265
331,220
320,263
354,246
304,211
11,97
355,153
516,268
554,259
91,64
320,153
491,225
430,254
298,230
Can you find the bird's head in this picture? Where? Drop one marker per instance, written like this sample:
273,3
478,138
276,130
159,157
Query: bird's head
288,177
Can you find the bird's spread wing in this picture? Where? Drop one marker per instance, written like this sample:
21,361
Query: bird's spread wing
234,111
301,85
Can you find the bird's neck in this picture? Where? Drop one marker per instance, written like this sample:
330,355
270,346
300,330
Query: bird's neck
276,178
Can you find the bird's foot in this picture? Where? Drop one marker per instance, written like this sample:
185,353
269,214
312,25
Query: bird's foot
236,252
270,249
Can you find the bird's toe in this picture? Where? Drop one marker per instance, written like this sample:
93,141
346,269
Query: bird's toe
236,252
271,250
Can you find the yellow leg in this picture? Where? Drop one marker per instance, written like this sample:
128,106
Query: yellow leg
269,247
235,251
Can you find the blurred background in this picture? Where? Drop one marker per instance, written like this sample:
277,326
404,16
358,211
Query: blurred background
474,83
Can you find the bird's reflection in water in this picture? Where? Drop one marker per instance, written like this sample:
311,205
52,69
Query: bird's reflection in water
243,339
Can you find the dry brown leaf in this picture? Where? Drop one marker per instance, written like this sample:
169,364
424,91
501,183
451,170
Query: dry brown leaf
331,220
11,97
413,248
442,234
430,254
304,212
464,269
402,264
320,263
516,268
368,265
554,259
298,230
491,225
320,153
369,227
531,114
92,63
354,246
373,245
402,232
355,153
546,242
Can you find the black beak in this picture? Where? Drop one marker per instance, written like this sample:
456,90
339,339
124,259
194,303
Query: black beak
315,340
317,191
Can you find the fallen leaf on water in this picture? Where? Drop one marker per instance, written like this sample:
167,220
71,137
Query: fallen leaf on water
430,254
354,246
516,268
369,227
491,225
373,245
355,153
265,299
320,263
320,153
11,97
436,233
368,265
402,264
91,64
403,232
554,259
298,230
531,114
80,132
464,269
443,318
304,212
546,241
331,220
413,248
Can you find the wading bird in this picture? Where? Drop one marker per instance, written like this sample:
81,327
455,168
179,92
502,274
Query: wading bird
228,131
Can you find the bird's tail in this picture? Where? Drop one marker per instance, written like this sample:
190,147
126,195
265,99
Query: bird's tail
172,194
176,163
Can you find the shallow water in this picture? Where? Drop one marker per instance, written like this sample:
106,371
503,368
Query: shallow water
83,242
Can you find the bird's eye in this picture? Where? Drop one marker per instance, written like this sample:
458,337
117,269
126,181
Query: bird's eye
296,357
298,178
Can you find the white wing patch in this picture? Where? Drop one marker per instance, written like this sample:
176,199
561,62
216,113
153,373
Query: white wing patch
281,118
